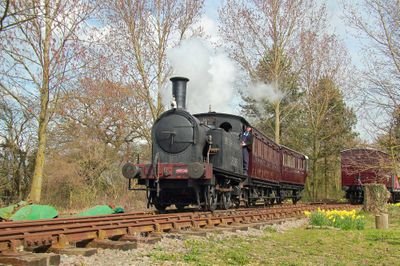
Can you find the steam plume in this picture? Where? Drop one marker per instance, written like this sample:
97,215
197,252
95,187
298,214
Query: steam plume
211,75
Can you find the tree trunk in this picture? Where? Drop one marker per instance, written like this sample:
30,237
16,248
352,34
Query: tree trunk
326,177
277,122
37,178
314,170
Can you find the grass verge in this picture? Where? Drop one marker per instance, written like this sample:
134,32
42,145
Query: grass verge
297,246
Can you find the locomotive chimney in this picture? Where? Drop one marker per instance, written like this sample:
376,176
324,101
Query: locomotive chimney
179,91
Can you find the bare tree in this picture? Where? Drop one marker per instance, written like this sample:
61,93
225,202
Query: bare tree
377,25
12,15
142,32
41,57
96,128
257,27
104,111
327,121
15,152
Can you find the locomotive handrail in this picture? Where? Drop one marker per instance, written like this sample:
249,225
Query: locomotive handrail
133,188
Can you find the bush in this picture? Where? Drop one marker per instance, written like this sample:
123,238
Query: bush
346,220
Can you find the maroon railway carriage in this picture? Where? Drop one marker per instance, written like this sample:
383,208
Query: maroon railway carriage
270,162
197,160
294,170
265,158
361,166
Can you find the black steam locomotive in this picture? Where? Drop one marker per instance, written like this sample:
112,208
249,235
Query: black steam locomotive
197,160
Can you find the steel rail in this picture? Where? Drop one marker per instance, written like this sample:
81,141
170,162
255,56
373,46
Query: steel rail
71,230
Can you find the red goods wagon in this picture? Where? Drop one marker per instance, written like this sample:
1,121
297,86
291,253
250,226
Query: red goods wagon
361,166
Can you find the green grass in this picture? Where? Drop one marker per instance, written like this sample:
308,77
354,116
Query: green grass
299,246
346,220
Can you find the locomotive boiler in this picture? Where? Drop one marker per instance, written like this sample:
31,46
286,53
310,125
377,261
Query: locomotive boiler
197,160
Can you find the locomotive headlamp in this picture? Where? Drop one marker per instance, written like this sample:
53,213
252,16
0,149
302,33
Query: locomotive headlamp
130,170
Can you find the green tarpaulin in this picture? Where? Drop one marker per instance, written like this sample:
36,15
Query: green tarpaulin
101,210
25,211
34,212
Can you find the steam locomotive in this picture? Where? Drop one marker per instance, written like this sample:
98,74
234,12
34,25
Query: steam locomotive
360,166
197,160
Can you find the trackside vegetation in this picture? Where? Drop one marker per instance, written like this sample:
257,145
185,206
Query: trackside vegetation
295,246
342,219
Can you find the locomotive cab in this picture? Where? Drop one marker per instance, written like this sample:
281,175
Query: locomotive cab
228,150
225,130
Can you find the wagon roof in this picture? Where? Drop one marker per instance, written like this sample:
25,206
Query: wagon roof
293,151
363,149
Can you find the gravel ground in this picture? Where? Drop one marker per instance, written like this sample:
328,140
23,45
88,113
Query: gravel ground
140,256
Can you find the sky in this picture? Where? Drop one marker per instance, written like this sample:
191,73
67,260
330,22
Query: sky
334,10
213,76
223,99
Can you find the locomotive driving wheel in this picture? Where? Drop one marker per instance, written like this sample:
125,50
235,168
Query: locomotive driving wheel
244,197
160,207
226,201
211,197
157,203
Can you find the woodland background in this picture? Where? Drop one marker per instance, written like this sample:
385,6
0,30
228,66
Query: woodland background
81,82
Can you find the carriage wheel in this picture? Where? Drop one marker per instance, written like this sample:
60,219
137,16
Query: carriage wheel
279,200
211,198
272,201
295,197
269,202
226,201
295,200
353,198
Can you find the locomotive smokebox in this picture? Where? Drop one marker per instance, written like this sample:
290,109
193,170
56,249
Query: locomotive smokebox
179,91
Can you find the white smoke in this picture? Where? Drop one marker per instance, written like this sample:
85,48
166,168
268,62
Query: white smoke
265,92
211,75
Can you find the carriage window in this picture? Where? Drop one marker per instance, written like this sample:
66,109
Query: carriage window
292,162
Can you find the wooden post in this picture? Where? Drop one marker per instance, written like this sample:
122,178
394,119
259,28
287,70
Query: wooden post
382,221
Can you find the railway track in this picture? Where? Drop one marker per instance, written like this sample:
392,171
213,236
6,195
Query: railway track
59,235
